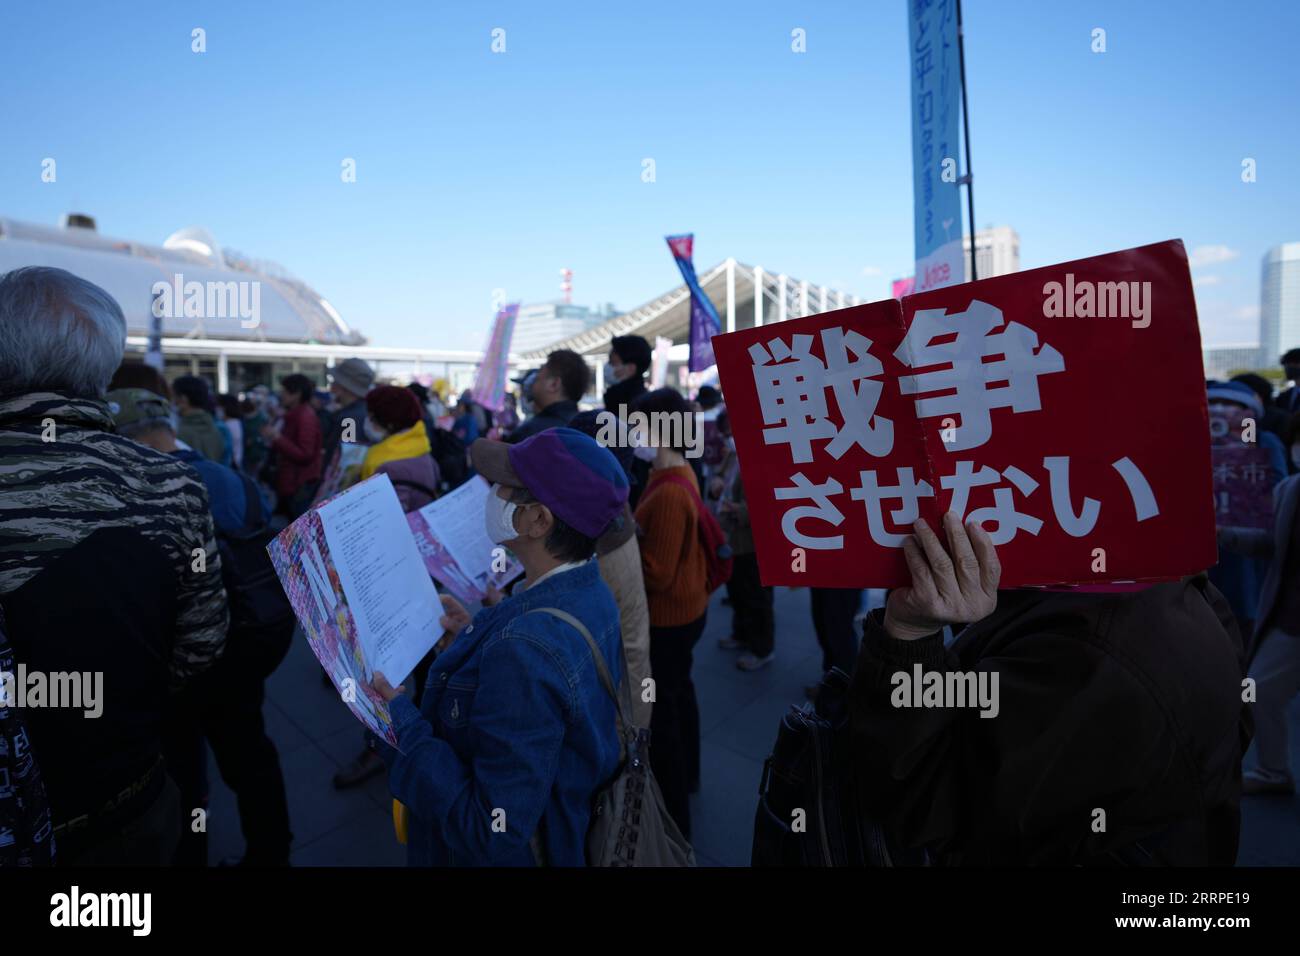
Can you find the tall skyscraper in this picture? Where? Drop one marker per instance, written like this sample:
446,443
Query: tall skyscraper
1279,301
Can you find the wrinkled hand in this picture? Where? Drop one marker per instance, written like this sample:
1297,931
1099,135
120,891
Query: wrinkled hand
959,589
456,617
379,684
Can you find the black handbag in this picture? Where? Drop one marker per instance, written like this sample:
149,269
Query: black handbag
809,808
262,621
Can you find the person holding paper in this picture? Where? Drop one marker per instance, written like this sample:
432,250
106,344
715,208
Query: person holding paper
515,734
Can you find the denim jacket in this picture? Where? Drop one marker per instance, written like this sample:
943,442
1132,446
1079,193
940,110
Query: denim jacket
514,733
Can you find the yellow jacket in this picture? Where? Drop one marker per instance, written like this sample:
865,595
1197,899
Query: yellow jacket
411,443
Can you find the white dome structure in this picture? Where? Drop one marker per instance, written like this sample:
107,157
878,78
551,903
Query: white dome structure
289,310
194,239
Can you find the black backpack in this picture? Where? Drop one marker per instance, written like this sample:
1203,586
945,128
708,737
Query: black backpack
809,811
261,619
449,452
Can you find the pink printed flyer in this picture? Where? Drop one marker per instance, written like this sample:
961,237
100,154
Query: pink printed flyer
360,590
456,551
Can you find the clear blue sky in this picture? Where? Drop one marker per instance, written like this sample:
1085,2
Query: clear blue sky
478,171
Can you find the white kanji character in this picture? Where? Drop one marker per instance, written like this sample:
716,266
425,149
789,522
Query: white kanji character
791,395
1254,472
1058,467
792,383
908,490
963,480
823,508
968,374
856,393
1003,511
1144,499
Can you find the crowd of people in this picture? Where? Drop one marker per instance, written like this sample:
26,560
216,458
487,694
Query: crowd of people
134,514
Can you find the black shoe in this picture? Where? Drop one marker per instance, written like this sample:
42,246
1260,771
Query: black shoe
368,764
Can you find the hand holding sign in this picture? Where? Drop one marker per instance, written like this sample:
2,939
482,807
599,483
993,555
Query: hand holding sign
957,589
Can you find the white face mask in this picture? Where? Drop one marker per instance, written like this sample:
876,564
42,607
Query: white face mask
645,453
499,518
373,432
611,374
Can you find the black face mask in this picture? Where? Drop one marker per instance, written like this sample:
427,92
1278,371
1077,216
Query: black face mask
1292,372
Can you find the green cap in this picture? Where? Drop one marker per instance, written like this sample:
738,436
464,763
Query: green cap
130,406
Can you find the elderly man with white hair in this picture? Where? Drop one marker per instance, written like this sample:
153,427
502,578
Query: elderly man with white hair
108,566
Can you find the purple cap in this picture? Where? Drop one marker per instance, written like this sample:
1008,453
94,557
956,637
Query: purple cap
581,482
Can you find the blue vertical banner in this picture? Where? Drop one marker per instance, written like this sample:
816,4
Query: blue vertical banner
490,381
704,317
936,91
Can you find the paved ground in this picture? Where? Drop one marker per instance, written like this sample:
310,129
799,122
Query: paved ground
740,712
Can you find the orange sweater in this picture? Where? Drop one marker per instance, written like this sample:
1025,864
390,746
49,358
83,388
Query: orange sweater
671,554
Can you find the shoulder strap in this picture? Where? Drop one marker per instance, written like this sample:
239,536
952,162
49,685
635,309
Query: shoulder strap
622,707
681,482
622,701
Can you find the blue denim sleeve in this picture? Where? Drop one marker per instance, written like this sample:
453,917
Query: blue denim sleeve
516,730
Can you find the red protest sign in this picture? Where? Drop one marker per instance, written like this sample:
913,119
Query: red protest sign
1064,408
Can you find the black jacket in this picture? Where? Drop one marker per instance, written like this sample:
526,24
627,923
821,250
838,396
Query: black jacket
554,415
624,393
1126,703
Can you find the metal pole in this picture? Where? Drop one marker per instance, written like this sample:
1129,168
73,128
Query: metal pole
731,295
965,124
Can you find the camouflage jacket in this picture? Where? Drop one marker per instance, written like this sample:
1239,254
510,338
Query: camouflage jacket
65,473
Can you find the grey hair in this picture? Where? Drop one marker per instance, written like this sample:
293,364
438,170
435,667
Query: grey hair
58,332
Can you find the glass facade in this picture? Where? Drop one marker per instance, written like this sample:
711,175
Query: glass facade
1279,301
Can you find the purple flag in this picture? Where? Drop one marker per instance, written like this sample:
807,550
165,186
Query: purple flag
704,317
